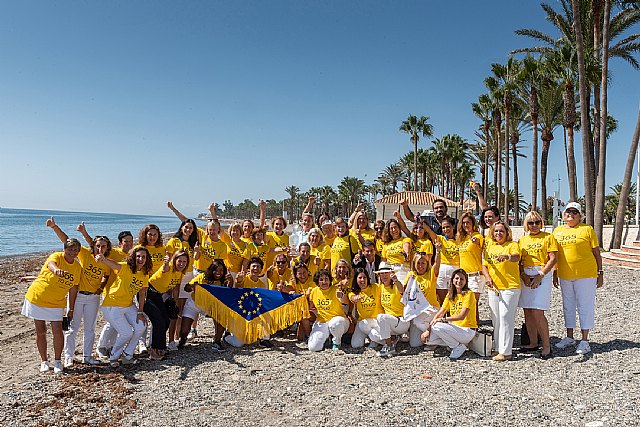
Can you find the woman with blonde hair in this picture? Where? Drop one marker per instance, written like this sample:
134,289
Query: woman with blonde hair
539,256
470,243
501,269
426,276
320,250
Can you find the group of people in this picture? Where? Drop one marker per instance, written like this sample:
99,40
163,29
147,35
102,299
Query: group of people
379,284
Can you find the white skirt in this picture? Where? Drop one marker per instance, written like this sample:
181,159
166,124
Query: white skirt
42,313
540,297
477,283
444,275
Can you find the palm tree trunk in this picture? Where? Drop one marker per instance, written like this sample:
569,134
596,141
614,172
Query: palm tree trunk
584,112
571,166
546,143
495,176
597,22
534,165
507,112
415,161
598,220
485,181
516,197
626,188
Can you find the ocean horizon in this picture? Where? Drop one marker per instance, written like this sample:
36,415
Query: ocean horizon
24,231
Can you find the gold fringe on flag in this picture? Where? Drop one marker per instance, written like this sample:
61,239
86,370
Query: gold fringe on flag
259,327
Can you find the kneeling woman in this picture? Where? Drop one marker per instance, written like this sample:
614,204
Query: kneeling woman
366,297
46,300
326,301
391,322
164,280
118,307
458,329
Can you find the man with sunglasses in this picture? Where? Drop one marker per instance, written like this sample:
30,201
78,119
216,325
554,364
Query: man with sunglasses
435,222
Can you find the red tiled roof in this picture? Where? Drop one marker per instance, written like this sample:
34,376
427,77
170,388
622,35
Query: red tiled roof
414,198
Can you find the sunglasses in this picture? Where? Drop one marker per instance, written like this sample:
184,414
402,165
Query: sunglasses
572,211
281,262
534,222
421,253
378,228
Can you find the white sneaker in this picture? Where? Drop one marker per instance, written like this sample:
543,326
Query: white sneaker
142,348
384,352
68,362
457,351
103,353
57,367
90,361
172,346
192,334
565,342
127,359
583,347
44,366
373,345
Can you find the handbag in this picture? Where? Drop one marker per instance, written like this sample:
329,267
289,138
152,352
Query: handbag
481,344
172,309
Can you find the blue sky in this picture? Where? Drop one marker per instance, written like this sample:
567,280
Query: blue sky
120,106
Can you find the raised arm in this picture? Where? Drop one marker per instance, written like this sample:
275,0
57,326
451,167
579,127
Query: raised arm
481,200
108,262
83,230
263,216
176,212
352,219
402,224
307,209
406,210
51,223
212,210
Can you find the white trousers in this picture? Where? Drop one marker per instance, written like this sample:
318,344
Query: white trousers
85,311
444,275
129,329
320,331
418,326
579,295
365,328
503,315
450,335
107,337
391,325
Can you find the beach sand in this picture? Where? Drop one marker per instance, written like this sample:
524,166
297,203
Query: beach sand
289,385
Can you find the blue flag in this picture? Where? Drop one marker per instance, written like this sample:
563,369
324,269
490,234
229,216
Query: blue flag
251,313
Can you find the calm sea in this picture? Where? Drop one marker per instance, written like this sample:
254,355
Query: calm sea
23,231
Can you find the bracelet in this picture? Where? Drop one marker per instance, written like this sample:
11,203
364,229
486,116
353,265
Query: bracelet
600,272
141,312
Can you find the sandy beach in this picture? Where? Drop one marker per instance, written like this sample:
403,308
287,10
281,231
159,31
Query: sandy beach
288,385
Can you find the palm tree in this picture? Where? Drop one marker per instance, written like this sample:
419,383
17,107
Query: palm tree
482,109
415,126
394,174
550,99
406,162
352,191
519,123
293,191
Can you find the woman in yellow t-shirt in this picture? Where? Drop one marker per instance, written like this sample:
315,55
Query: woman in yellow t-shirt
46,300
378,230
391,323
426,276
366,297
502,274
319,249
164,280
216,274
539,250
118,307
419,237
458,328
276,238
302,282
395,248
580,273
237,257
449,255
326,300
361,227
470,243
150,237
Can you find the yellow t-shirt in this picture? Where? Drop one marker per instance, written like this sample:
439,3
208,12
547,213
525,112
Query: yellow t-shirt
575,256
427,283
92,271
49,290
259,251
174,244
322,251
379,246
276,241
199,279
209,250
392,252
248,283
157,256
277,277
369,306
236,254
311,264
450,253
468,300
423,245
505,274
390,299
341,249
366,235
164,282
302,287
471,253
126,286
117,254
535,248
327,303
